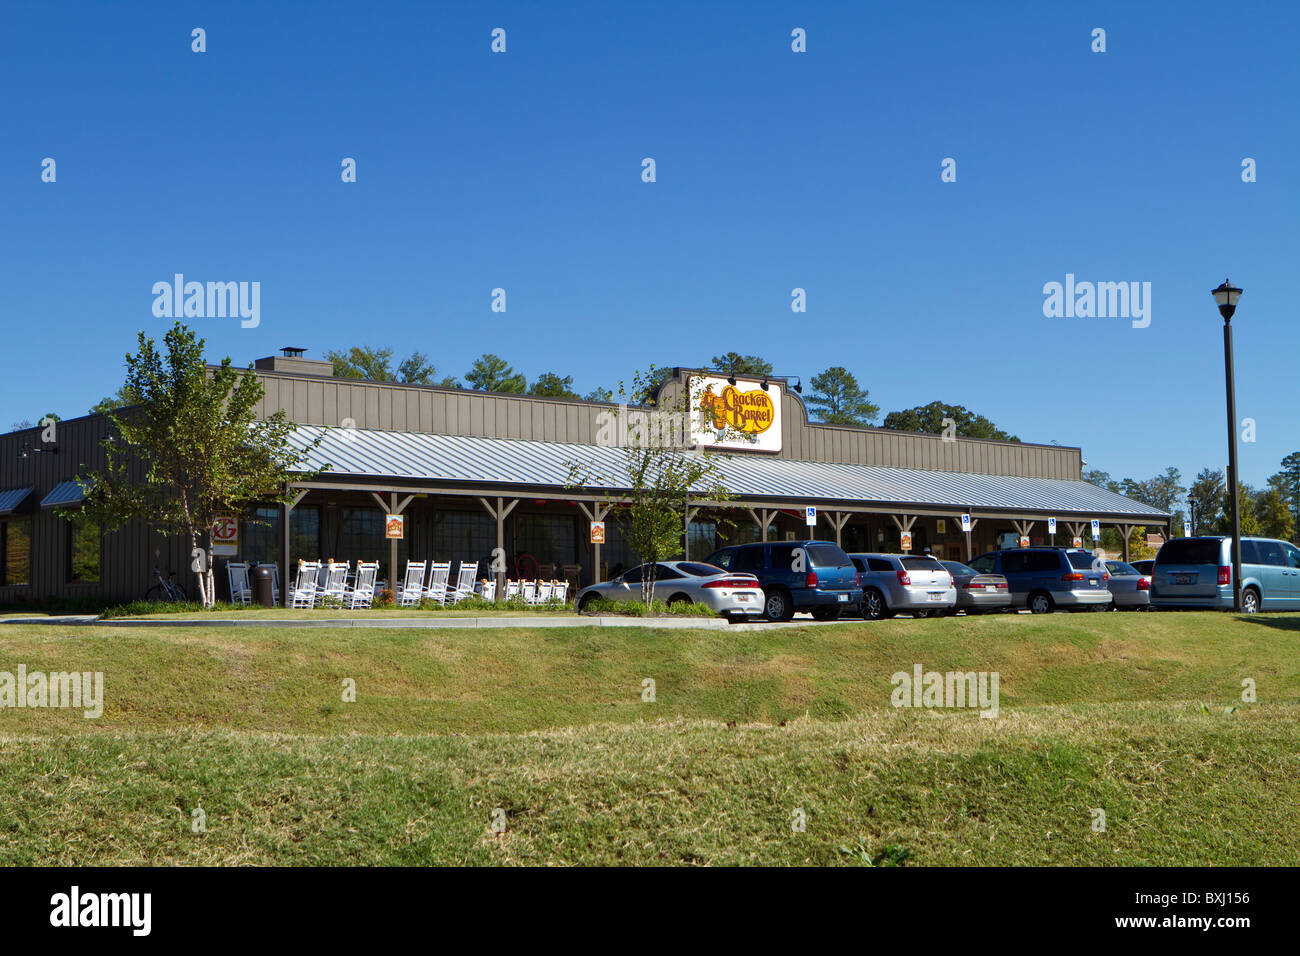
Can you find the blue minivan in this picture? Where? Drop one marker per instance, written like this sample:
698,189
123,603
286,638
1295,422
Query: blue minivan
814,576
1044,579
1197,572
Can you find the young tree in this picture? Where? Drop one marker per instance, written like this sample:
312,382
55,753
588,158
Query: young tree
491,373
1290,483
551,385
192,450
1246,506
648,492
838,398
930,420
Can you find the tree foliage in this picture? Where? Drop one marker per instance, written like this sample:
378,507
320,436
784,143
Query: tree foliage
491,373
376,365
933,419
839,400
191,451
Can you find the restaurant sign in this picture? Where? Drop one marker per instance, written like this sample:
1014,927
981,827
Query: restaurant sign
740,417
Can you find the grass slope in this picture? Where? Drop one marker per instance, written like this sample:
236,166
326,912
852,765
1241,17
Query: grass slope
1098,711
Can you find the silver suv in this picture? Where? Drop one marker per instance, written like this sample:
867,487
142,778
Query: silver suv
908,583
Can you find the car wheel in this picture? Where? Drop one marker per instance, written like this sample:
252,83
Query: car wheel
873,605
778,606
585,602
679,599
1040,602
826,613
1250,601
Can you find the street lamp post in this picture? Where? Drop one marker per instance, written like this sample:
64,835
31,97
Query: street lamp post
1226,296
1191,504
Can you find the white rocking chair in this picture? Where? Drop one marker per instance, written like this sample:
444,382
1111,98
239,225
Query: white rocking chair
362,592
413,587
464,582
303,592
436,590
240,590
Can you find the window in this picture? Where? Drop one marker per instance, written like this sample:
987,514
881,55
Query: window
1079,560
783,558
85,547
723,559
699,570
1014,562
466,535
749,559
703,537
16,552
983,564
1292,555
921,564
1051,561
1270,552
633,576
664,573
261,541
826,556
1190,551
1250,552
879,564
550,539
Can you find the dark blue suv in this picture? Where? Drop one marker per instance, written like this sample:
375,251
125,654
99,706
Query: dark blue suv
814,576
1043,579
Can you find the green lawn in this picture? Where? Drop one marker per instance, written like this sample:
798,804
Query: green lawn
548,725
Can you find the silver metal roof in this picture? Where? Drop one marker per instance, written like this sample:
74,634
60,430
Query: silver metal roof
11,498
374,453
64,493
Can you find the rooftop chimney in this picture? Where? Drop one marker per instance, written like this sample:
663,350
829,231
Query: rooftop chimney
290,361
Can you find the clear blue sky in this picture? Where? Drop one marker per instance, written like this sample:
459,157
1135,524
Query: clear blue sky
775,170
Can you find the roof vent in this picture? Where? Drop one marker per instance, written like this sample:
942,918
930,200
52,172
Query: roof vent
290,352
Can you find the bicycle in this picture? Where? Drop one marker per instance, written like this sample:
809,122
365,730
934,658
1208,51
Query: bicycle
166,589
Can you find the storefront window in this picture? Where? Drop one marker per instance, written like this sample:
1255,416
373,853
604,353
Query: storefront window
85,547
16,552
261,542
550,539
464,536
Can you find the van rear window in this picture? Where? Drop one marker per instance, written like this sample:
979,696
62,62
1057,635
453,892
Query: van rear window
827,556
1081,560
1190,551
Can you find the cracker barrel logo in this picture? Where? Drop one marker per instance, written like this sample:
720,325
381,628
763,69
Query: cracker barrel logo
749,412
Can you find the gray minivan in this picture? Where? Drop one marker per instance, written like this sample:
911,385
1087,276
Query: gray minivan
1197,572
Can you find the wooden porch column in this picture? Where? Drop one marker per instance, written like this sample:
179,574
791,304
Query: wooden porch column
392,507
285,579
596,512
498,565
763,518
967,534
690,514
904,525
1125,530
838,520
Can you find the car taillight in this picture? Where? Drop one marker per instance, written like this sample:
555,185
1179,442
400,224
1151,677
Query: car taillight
732,583
903,577
810,579
1225,574
1073,576
1144,584
1105,576
857,580
1002,585
972,586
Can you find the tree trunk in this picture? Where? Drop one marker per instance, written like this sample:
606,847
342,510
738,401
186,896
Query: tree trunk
212,577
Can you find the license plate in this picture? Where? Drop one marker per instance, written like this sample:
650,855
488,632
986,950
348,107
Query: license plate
842,598
743,597
990,588
1184,579
936,595
1094,584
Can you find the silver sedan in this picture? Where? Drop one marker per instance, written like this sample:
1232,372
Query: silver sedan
734,595
1130,589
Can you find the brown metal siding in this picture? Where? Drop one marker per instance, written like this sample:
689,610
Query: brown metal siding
373,405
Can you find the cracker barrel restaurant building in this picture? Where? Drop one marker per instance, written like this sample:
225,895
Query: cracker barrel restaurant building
469,472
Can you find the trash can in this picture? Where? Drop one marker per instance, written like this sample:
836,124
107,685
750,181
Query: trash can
263,585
